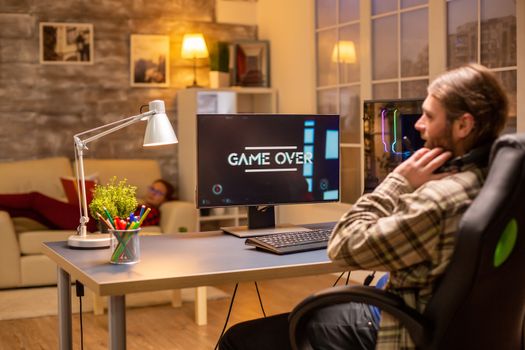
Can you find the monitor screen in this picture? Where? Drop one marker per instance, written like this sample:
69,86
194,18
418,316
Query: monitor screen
266,159
389,136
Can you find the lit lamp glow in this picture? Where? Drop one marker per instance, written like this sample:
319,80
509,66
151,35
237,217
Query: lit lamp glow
158,132
344,52
194,46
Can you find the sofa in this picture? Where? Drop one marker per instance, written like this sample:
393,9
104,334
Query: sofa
22,263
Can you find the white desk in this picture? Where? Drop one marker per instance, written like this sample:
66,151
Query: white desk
169,262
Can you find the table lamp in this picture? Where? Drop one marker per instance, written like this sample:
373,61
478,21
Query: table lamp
344,52
158,132
194,46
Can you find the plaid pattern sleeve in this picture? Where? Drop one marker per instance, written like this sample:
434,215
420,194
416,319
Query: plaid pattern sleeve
386,230
407,232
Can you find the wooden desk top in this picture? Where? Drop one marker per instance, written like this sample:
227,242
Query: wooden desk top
183,260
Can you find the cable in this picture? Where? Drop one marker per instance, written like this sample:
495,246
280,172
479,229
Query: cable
227,316
369,279
80,293
347,278
338,278
259,296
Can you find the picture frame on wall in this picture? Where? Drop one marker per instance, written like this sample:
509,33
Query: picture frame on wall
150,57
251,63
66,43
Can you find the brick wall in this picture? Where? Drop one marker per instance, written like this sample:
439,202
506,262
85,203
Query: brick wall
43,106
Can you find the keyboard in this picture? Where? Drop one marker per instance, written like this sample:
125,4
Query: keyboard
292,242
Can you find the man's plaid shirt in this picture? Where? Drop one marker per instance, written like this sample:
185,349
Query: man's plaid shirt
409,233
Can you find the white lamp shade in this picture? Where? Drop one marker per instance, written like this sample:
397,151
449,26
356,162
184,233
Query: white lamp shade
194,46
159,130
344,52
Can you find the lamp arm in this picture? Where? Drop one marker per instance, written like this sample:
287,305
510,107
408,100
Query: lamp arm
81,185
80,146
120,124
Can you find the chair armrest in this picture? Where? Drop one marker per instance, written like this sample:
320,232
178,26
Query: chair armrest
412,320
175,216
9,253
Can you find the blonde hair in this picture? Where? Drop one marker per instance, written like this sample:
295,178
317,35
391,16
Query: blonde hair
473,89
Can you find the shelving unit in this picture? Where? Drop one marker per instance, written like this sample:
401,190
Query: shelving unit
190,102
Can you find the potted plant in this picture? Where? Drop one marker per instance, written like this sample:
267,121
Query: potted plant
219,65
117,198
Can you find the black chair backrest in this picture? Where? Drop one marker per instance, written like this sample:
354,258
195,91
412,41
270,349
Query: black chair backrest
480,301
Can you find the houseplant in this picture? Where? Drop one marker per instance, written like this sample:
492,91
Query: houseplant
219,65
118,198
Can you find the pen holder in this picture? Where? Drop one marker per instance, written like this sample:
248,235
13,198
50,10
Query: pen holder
125,246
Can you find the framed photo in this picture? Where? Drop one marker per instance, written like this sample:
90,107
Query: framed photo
150,57
251,63
66,43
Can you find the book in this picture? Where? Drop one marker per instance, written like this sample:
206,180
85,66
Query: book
69,184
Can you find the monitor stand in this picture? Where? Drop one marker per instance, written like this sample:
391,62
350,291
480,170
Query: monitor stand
261,222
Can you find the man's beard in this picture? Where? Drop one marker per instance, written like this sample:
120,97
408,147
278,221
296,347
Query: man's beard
445,141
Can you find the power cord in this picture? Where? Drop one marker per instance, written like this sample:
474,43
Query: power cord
227,316
338,278
259,296
367,281
369,278
80,293
341,275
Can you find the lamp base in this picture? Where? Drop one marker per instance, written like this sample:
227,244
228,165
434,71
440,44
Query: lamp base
193,86
92,241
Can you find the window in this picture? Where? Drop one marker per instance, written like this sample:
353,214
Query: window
484,31
338,82
399,49
390,39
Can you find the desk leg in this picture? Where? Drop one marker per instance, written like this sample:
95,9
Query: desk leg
64,310
98,304
201,306
117,322
176,298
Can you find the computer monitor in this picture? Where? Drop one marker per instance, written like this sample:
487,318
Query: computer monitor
389,136
261,160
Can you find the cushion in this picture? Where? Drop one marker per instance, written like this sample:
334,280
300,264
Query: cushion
150,231
40,175
31,241
22,224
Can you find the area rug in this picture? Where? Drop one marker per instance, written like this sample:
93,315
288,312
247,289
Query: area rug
36,302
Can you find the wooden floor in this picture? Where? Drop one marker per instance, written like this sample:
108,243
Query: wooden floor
163,327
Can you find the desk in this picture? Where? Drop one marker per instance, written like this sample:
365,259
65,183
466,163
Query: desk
169,262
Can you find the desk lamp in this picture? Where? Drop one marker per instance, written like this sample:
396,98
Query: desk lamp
194,46
158,132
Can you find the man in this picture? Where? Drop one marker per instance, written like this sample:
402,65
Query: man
407,226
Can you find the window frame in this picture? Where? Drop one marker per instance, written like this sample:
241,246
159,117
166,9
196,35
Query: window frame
437,51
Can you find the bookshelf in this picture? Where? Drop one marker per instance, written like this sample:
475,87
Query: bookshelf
190,102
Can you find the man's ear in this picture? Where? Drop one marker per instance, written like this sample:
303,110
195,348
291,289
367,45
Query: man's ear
464,125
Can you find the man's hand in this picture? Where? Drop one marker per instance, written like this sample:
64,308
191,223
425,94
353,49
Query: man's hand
420,167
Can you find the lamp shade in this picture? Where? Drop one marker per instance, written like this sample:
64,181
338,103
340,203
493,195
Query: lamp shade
194,46
159,130
344,52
